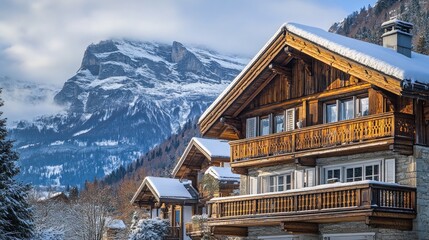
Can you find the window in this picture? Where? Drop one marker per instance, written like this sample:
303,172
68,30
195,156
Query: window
354,174
346,109
264,126
370,170
363,107
333,174
279,123
261,126
278,183
331,113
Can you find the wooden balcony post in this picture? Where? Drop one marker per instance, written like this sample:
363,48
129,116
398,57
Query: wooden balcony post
293,137
255,207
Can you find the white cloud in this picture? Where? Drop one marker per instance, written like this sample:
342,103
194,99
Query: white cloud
44,40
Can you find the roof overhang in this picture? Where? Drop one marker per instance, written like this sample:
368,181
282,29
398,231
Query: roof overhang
192,159
146,195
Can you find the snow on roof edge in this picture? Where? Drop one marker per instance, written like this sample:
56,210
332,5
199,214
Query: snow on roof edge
202,142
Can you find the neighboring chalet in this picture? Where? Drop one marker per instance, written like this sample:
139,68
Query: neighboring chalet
200,174
168,198
330,135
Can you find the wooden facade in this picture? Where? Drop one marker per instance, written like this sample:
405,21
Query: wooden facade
300,103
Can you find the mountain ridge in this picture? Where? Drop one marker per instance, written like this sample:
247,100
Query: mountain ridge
127,97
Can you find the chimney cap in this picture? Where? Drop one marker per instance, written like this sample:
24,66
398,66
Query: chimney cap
397,24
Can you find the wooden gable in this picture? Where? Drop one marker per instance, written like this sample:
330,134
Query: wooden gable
291,67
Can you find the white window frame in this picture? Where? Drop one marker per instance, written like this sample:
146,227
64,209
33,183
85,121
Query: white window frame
265,181
343,169
337,103
333,168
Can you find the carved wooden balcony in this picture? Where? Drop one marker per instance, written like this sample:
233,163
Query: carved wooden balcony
384,131
375,203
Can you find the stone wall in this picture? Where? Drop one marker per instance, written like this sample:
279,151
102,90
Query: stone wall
421,224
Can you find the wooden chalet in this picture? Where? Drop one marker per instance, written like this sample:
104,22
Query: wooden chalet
329,134
206,163
167,198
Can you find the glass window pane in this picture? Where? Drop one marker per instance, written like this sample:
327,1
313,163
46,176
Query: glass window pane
288,182
364,106
349,173
337,173
331,113
376,167
279,123
346,109
368,170
358,172
264,127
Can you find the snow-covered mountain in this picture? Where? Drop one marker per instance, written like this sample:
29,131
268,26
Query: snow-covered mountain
126,97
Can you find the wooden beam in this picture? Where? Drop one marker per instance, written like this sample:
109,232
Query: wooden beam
254,94
300,227
306,161
232,123
242,171
335,93
277,69
229,231
391,223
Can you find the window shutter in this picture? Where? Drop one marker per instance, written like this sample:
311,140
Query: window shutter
310,177
299,179
251,127
389,170
290,120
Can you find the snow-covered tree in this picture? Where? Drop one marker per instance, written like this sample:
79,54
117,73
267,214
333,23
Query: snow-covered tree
15,212
149,229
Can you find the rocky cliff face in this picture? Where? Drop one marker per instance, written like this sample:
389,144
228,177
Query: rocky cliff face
126,97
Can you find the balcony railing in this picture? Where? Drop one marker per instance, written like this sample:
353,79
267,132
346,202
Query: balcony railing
328,198
356,130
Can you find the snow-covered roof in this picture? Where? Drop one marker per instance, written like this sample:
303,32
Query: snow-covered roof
166,188
385,60
214,147
223,173
211,147
169,187
115,224
379,58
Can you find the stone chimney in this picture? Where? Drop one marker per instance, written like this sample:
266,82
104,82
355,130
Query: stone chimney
397,35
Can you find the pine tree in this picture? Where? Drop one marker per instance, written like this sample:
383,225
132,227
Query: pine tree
15,213
421,45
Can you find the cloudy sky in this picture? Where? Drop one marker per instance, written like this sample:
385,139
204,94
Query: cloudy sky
43,40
